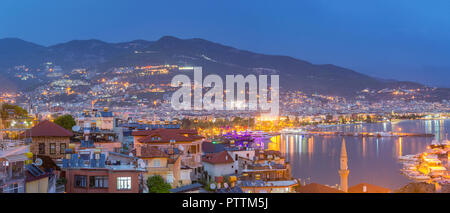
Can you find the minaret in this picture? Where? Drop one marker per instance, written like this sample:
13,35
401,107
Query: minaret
343,171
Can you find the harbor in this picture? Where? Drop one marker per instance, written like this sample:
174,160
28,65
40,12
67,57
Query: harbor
430,166
374,160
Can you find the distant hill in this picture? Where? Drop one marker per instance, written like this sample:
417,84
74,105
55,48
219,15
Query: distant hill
213,57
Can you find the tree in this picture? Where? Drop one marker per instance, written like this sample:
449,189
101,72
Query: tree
9,111
66,121
156,184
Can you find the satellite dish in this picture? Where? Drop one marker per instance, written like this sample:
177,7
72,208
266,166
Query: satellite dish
38,162
76,128
141,163
212,186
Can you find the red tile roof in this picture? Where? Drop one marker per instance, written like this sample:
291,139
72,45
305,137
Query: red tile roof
317,188
218,158
167,135
152,152
369,189
179,131
47,129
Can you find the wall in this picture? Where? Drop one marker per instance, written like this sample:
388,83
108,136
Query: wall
37,186
34,147
112,180
215,170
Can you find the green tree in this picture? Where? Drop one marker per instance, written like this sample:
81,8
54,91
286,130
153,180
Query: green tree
156,184
66,121
9,111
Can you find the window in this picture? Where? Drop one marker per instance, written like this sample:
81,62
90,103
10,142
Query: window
169,178
42,148
98,182
156,163
52,148
193,149
80,181
62,148
123,183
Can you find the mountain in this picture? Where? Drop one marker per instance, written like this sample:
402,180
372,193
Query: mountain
213,57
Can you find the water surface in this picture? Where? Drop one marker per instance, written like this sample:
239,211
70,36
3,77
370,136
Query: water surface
370,159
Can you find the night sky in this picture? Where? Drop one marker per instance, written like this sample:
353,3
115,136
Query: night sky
401,39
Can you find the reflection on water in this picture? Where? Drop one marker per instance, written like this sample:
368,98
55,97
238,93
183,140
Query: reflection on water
371,160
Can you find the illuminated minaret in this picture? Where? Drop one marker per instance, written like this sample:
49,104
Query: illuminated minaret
343,171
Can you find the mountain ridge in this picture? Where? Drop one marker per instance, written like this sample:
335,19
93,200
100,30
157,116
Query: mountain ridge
215,58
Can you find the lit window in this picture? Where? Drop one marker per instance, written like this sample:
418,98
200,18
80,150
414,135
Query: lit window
123,183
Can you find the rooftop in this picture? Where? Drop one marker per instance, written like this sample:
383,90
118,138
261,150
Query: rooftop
318,188
47,128
368,188
260,183
218,158
187,188
167,135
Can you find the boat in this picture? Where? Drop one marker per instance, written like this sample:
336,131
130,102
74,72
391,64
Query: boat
297,131
408,158
421,178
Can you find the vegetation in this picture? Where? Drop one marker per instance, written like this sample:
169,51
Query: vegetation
61,181
66,121
156,184
9,111
13,115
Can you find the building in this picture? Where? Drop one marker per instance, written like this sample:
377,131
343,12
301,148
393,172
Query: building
192,188
165,163
102,120
317,188
37,180
267,165
242,156
12,169
188,142
281,186
218,164
48,138
368,188
93,171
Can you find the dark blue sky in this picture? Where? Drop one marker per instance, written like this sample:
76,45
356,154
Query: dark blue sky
399,39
